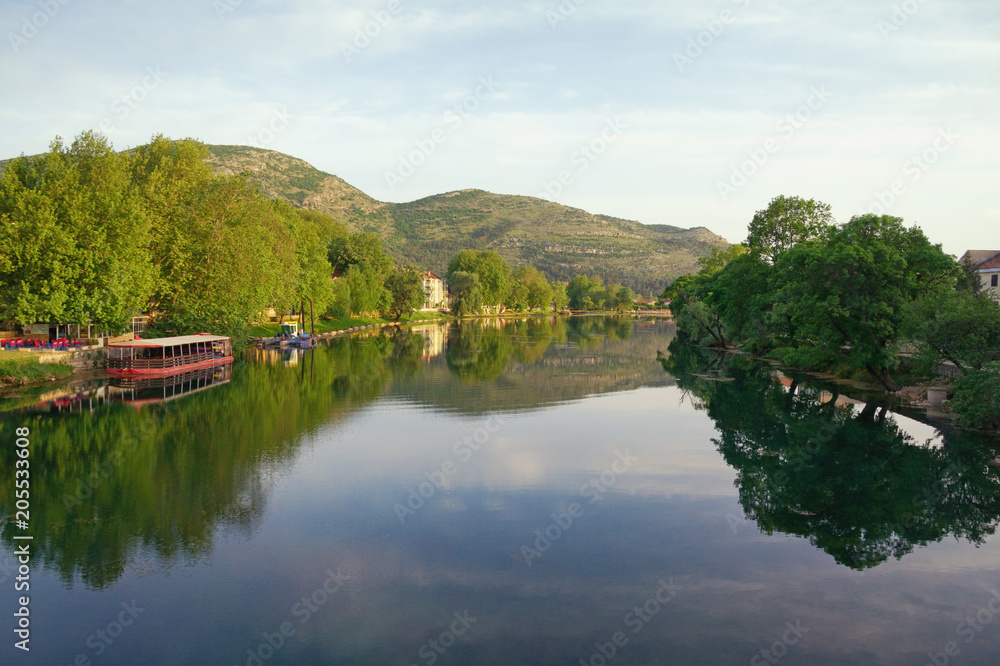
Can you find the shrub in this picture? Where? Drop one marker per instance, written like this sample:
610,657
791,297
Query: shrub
976,398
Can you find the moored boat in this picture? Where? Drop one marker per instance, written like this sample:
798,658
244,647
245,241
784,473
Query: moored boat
169,356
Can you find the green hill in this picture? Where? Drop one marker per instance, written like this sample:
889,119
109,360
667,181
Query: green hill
560,240
557,239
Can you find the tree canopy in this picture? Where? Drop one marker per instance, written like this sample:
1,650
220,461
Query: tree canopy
96,236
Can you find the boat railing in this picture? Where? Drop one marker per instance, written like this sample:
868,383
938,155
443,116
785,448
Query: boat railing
159,363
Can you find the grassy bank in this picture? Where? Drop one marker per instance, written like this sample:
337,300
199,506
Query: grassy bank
16,368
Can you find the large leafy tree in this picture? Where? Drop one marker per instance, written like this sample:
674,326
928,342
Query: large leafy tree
495,279
362,261
466,295
956,325
233,257
406,291
844,297
75,230
786,222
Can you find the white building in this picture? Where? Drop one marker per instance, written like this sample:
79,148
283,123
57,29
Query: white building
434,293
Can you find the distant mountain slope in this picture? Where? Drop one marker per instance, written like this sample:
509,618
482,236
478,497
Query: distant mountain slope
559,240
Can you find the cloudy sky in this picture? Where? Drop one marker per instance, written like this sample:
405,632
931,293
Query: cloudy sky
663,111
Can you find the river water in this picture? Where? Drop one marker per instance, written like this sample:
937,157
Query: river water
500,492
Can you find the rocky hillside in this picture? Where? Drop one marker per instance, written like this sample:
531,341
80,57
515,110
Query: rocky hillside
560,240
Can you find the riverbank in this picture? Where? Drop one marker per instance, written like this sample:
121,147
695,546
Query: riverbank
24,368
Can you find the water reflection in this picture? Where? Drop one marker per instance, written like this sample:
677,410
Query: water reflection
137,468
841,472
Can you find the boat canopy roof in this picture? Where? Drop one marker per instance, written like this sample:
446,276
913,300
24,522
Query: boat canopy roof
171,342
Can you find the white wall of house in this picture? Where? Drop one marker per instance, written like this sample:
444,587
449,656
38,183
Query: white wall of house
991,281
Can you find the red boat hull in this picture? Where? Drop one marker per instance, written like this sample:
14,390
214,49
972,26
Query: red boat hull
166,372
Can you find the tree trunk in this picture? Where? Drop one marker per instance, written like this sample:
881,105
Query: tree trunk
882,377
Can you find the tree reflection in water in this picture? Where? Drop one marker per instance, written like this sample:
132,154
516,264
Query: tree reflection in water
846,476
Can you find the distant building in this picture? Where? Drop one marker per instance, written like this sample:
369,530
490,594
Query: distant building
645,301
434,294
987,264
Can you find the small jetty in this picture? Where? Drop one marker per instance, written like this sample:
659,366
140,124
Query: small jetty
290,337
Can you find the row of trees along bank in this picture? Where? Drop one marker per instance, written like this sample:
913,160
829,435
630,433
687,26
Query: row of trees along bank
484,281
846,298
94,236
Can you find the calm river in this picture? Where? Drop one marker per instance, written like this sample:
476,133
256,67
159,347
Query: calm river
518,492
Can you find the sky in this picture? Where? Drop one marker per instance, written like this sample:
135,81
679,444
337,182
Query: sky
661,111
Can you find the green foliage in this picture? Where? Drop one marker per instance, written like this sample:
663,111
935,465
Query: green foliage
847,293
495,280
835,298
75,232
98,236
786,222
559,298
955,325
363,249
719,258
340,308
976,398
850,480
467,297
538,292
368,292
406,291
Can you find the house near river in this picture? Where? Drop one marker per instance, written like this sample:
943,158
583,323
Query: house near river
987,264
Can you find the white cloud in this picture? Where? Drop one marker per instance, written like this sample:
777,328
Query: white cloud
687,129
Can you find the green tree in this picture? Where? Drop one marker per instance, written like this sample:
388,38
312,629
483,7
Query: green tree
406,292
957,326
363,249
75,232
539,291
368,292
719,258
843,298
786,222
559,298
464,288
